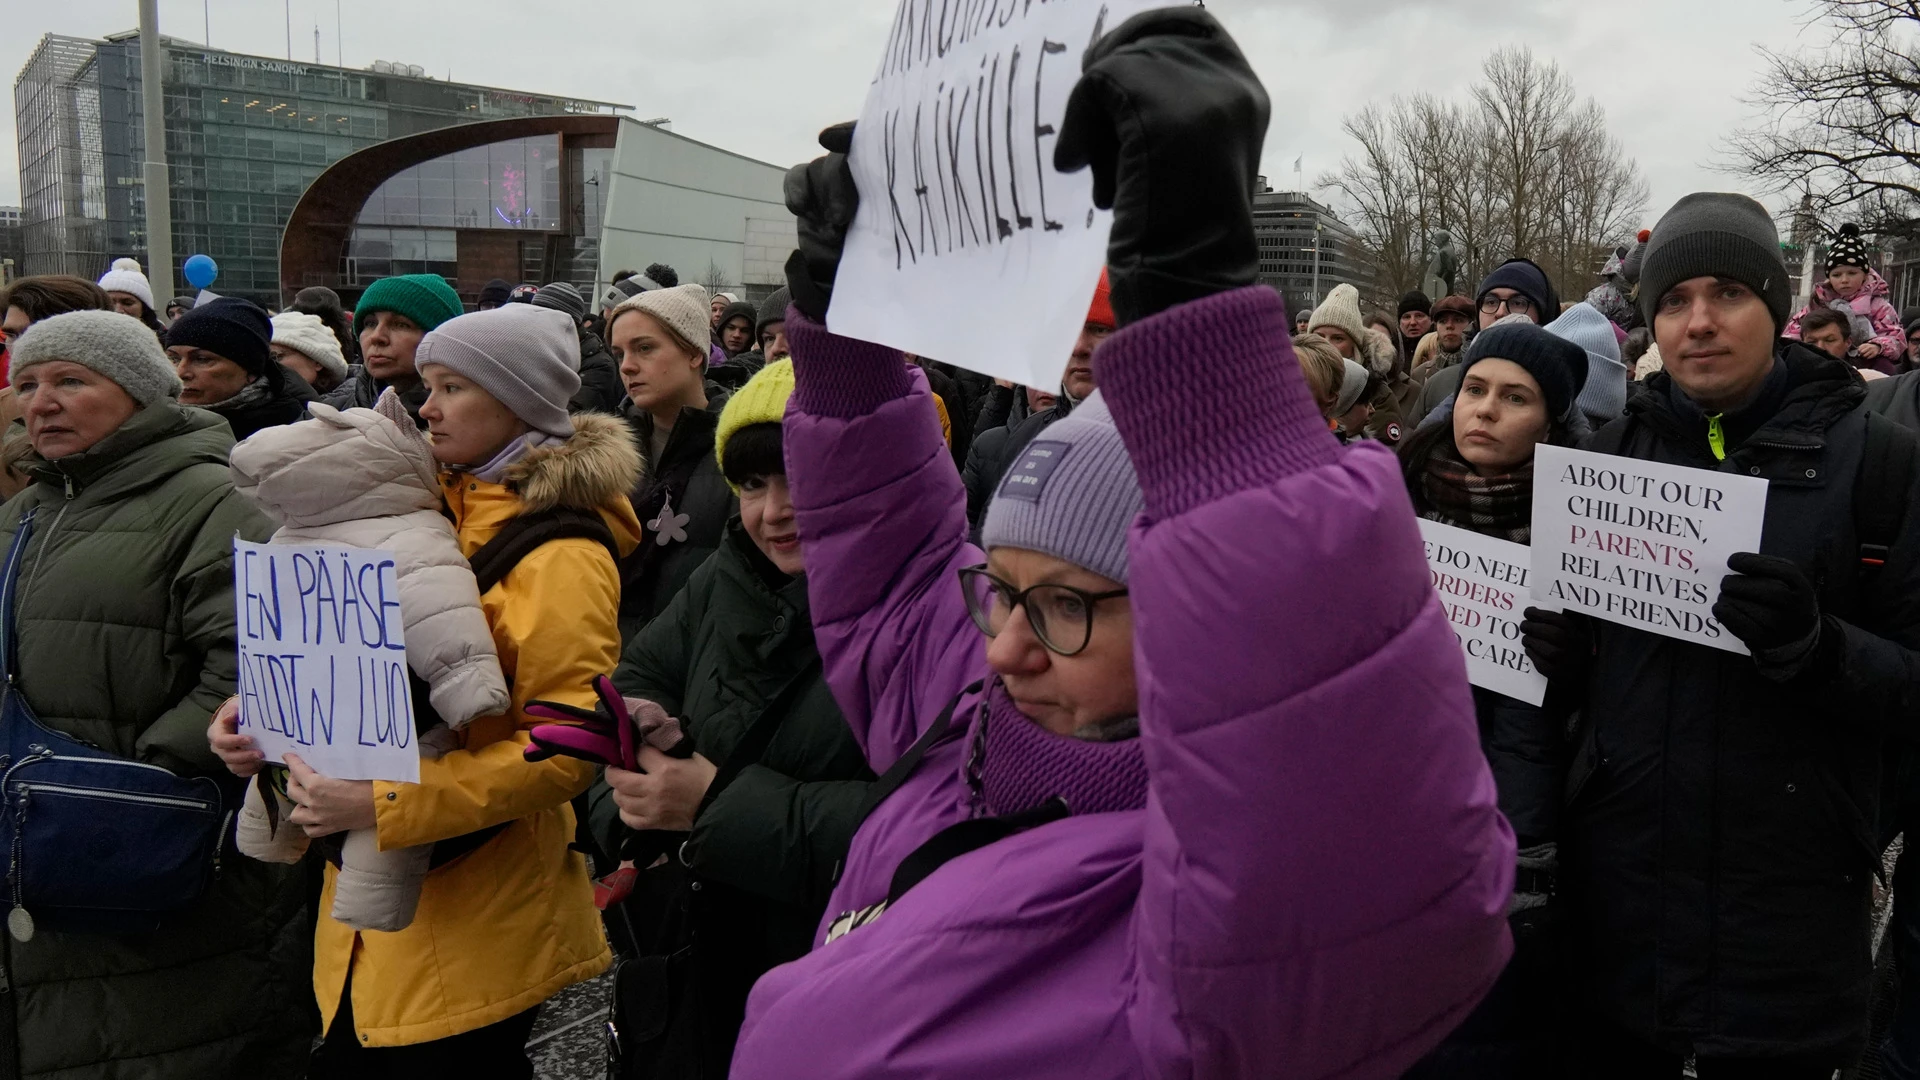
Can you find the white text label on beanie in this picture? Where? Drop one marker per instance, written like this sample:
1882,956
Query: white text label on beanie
1027,480
961,211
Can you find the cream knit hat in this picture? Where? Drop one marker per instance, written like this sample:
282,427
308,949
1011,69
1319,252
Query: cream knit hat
308,335
684,308
1341,309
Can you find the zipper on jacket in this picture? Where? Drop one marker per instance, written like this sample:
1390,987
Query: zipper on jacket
28,786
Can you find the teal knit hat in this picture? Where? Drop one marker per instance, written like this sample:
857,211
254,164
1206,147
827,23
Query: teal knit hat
427,299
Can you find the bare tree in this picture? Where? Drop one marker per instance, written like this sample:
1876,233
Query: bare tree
1841,120
1521,167
715,279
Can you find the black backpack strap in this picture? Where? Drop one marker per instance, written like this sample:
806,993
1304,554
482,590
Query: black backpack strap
890,781
525,534
967,836
516,540
1880,491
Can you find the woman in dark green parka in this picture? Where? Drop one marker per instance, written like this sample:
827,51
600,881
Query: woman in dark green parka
765,848
126,640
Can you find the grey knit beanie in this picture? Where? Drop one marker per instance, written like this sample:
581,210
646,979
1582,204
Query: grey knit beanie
1072,494
527,357
1716,234
561,296
108,342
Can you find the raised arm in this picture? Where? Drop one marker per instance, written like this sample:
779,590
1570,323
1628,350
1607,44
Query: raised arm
1326,875
883,520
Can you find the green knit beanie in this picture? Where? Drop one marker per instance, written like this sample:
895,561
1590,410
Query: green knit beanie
427,299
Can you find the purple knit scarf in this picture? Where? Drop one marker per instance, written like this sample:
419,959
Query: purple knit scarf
1015,765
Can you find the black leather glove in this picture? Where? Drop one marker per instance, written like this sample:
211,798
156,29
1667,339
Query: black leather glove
1560,643
1171,118
1769,604
821,194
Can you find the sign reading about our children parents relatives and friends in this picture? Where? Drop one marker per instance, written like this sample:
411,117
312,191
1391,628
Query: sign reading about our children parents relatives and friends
323,659
1482,583
1641,543
961,210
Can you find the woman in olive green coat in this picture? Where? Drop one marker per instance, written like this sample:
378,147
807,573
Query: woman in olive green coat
126,641
765,847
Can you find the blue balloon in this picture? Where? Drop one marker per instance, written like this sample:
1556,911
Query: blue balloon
201,271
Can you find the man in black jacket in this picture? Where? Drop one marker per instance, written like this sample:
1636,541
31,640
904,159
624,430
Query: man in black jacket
991,453
600,387
1719,841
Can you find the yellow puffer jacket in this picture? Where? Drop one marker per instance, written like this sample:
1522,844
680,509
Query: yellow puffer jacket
502,929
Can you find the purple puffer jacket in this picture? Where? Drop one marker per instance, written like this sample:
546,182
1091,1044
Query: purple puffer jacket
1318,882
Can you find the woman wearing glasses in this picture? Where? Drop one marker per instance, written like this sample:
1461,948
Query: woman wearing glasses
1153,801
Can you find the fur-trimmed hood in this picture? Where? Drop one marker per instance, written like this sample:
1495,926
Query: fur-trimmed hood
597,466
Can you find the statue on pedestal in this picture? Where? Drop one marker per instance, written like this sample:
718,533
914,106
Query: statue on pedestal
1443,265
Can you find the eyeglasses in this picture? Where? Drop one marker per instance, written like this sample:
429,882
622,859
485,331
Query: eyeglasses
1061,615
1517,305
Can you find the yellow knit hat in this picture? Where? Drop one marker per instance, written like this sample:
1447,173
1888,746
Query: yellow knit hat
763,400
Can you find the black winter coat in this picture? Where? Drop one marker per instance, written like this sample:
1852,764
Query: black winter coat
687,476
600,387
1718,844
362,391
766,848
993,454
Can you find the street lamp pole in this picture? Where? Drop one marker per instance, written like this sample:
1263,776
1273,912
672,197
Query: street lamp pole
154,169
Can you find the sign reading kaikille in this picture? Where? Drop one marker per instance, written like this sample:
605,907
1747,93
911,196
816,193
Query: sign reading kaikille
969,247
1640,543
323,659
1482,583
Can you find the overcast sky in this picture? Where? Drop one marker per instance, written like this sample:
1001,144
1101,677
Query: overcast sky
759,77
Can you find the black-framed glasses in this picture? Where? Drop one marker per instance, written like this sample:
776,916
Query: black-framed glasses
1061,615
1516,305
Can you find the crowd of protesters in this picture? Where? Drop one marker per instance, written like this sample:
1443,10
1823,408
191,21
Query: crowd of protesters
871,717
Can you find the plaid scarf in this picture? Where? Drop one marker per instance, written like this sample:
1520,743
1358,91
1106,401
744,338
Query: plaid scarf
1497,506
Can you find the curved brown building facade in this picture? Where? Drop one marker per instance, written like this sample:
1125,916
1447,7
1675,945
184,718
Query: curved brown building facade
518,199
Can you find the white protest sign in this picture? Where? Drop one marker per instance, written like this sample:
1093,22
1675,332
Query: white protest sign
969,247
1640,543
1482,583
323,659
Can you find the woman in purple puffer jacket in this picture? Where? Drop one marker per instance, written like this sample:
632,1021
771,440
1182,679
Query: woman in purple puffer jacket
1220,826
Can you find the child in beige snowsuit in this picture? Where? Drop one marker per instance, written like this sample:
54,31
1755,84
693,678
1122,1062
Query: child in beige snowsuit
366,478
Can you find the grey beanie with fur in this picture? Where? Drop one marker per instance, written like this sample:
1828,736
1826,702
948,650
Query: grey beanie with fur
116,346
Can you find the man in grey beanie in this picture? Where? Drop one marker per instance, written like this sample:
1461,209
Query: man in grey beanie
1720,845
527,357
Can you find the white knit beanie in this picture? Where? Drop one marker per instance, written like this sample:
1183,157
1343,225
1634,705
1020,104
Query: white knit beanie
684,308
1341,309
126,277
309,336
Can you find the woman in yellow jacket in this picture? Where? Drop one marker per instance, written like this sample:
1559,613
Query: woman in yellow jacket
502,928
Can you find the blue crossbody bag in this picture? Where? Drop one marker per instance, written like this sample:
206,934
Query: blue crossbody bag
93,842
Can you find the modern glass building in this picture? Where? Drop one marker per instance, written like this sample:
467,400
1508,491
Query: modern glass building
536,199
1294,231
246,135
